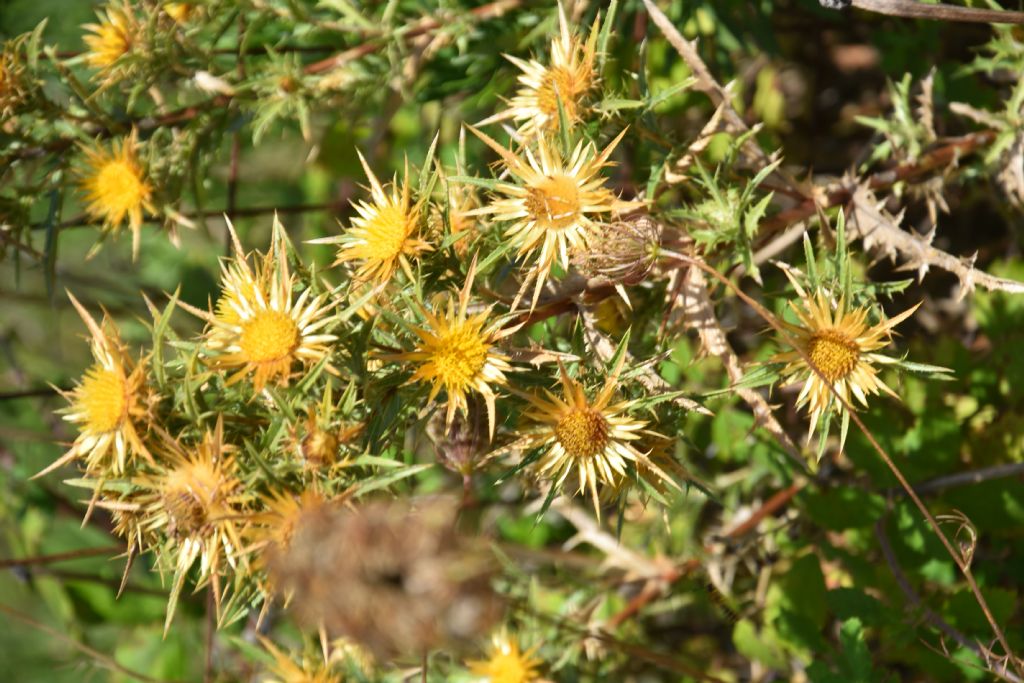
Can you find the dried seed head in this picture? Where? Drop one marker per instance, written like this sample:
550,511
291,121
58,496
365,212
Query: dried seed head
459,444
394,577
622,252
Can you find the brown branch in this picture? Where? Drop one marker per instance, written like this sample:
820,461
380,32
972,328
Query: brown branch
59,557
912,9
978,476
768,508
881,232
841,193
698,314
83,221
29,393
211,633
706,83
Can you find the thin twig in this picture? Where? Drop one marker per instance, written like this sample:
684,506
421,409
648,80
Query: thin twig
83,221
59,557
98,657
211,631
768,508
972,477
28,393
836,194
929,616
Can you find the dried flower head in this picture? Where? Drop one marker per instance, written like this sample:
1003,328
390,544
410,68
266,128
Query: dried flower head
13,86
270,532
461,443
411,582
552,208
457,353
505,662
568,80
113,37
595,439
257,328
385,234
841,344
111,405
196,502
116,187
622,252
316,445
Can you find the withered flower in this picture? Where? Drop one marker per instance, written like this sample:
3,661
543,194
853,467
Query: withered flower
395,577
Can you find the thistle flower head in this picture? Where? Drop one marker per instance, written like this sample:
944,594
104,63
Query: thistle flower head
195,501
553,207
594,438
116,187
506,662
285,669
258,329
112,38
385,234
456,352
111,405
841,345
567,80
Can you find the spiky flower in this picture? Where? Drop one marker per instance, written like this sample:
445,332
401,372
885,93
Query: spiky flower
595,439
318,440
116,187
258,330
569,78
552,208
308,670
113,37
505,662
196,502
456,352
385,234
111,405
841,344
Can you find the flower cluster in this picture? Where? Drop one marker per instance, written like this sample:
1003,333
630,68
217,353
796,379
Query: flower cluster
262,457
